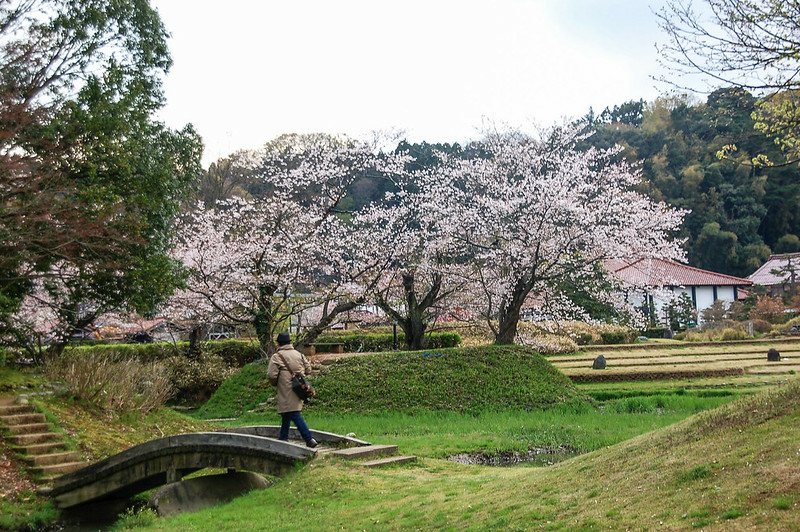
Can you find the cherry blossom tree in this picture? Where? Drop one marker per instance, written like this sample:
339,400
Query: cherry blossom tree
424,275
260,261
532,212
56,305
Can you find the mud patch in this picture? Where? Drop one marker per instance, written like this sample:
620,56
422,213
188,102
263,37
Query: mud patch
535,457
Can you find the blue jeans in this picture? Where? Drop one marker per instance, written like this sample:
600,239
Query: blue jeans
299,422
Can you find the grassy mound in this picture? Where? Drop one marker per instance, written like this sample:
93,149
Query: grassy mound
458,379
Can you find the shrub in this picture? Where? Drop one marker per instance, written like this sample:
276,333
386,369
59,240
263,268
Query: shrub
762,326
696,336
193,379
196,379
580,332
550,344
786,328
738,311
235,353
681,312
768,309
136,518
716,313
613,337
655,332
733,334
111,382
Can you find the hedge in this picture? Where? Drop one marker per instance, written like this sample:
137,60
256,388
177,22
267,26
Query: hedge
655,332
356,342
613,337
237,353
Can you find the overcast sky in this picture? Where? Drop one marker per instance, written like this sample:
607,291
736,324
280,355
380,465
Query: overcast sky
246,71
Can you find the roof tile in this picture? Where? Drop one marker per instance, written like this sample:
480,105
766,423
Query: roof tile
661,272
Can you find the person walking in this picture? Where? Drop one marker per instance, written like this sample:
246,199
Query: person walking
282,366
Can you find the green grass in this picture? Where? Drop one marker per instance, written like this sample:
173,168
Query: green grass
437,434
458,379
782,503
733,513
13,380
26,511
134,518
695,473
714,466
100,435
631,485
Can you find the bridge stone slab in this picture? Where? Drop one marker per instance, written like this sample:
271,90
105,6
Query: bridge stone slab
156,462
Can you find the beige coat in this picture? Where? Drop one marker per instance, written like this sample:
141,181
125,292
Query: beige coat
280,377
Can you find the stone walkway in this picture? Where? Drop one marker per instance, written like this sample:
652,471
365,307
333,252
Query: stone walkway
32,438
12,480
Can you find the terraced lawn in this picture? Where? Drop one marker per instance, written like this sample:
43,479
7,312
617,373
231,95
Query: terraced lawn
660,362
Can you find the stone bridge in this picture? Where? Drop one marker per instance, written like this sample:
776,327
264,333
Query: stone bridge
167,460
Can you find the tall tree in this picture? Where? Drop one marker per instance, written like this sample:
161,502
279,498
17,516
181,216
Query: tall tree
678,142
288,250
425,270
226,178
90,182
751,44
533,212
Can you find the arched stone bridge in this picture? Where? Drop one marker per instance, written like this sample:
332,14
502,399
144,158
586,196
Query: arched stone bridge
167,460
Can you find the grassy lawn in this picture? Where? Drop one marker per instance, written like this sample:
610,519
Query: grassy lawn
725,360
734,467
640,462
15,380
437,434
472,379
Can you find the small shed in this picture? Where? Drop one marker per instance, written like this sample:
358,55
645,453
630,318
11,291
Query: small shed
779,275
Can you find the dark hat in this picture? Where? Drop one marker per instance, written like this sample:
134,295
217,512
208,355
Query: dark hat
284,338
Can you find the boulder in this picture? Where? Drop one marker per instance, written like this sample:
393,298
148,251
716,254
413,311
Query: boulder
599,362
773,355
200,492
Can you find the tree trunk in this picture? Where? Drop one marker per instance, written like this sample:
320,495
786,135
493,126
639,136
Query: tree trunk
264,320
414,323
509,314
196,335
58,344
414,328
313,332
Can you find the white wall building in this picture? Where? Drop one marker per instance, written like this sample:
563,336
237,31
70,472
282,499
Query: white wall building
665,279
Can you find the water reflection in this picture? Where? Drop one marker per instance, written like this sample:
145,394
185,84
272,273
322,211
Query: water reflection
535,457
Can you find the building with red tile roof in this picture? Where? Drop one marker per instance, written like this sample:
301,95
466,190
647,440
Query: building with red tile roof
703,286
